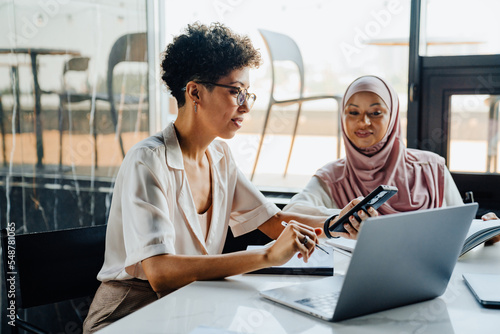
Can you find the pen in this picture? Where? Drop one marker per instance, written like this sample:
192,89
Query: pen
317,246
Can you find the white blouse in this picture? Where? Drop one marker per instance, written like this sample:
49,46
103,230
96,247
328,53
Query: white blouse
315,198
153,212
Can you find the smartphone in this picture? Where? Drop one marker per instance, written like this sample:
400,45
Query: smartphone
374,199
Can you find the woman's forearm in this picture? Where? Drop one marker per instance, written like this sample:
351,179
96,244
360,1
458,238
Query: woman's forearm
167,273
273,228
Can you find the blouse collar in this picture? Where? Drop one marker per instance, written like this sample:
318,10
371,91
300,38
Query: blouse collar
174,156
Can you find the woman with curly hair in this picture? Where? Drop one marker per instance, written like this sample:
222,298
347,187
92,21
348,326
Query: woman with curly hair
178,191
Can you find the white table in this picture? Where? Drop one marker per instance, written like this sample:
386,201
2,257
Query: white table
234,304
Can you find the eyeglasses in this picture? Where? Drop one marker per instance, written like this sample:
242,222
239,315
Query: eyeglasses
243,94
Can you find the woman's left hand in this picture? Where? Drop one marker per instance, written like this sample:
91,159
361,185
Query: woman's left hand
491,216
354,227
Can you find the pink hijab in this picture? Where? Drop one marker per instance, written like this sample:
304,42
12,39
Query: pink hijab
418,175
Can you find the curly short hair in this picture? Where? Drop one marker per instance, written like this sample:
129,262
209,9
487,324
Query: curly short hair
205,53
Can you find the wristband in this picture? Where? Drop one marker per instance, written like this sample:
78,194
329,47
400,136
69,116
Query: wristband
326,226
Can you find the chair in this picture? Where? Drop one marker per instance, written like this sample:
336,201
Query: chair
14,78
492,155
69,95
2,129
127,48
50,267
282,48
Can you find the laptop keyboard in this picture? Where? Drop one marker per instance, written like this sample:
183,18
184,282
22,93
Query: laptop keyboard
326,303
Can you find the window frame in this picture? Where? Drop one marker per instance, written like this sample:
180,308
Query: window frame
432,80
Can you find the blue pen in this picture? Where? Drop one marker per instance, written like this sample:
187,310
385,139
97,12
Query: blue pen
317,246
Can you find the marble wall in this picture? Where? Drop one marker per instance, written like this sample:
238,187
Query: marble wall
44,203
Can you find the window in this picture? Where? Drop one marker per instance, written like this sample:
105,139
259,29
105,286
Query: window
474,129
457,85
56,116
338,43
459,27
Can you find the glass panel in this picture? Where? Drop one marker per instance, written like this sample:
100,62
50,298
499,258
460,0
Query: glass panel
459,27
336,49
54,83
474,130
56,167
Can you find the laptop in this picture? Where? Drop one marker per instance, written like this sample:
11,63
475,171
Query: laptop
399,259
485,287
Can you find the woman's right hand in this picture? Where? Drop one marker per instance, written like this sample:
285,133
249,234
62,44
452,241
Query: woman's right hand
291,241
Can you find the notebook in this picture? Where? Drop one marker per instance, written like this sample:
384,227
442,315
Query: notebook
399,259
320,264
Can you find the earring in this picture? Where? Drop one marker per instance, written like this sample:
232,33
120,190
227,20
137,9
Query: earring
195,106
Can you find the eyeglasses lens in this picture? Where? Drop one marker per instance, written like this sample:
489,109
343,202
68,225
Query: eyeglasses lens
241,97
251,100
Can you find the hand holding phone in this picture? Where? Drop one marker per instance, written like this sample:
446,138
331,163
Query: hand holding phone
375,199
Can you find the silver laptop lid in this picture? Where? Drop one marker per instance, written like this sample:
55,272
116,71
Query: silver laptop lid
403,258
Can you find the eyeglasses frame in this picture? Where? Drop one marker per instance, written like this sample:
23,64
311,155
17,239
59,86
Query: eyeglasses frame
240,90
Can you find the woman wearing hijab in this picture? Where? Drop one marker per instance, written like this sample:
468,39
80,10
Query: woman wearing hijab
376,155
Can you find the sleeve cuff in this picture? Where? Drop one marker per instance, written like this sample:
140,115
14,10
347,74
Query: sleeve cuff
133,264
249,221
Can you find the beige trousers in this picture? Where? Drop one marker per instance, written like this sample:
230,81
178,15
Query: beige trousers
116,299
